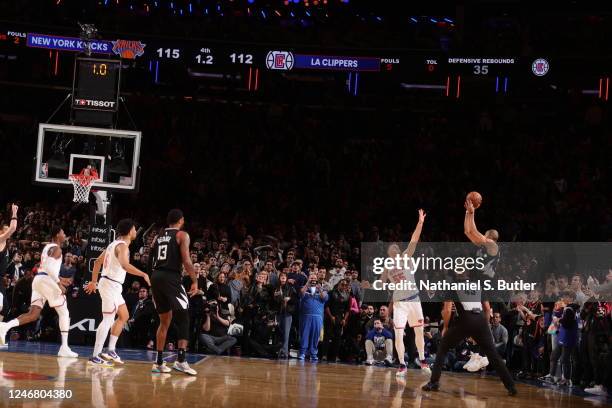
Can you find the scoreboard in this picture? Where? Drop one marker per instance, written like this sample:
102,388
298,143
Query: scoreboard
214,59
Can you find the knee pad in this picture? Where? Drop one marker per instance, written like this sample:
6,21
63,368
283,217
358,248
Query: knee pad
181,319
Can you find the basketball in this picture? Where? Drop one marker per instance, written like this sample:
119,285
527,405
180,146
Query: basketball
475,198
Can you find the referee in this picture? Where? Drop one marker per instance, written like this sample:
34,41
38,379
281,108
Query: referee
471,321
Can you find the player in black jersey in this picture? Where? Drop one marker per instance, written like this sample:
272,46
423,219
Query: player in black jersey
169,252
473,314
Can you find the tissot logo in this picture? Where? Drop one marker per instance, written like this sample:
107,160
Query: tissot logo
94,103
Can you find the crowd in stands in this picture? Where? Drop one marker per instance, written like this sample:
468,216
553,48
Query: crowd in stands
258,293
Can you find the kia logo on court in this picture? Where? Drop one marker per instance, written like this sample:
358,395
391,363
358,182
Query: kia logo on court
85,325
280,60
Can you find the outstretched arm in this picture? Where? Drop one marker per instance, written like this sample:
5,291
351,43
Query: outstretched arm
123,255
470,230
416,235
12,225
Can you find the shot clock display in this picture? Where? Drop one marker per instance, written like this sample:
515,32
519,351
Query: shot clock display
96,84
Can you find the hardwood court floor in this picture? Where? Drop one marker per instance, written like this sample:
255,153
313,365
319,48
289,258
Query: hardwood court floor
235,382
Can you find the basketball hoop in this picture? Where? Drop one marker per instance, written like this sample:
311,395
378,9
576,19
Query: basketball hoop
82,185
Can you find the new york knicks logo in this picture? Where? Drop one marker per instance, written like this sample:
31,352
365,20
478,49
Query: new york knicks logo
281,60
540,67
128,49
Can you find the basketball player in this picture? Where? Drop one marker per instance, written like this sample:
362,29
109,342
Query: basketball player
170,250
406,304
5,234
472,315
115,263
46,287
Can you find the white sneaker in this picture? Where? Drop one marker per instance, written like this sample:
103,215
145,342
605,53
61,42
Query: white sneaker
597,390
111,355
3,330
65,351
184,368
473,362
484,361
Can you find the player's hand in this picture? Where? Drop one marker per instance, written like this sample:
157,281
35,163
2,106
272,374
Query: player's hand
91,287
146,279
14,209
469,207
194,289
63,289
422,215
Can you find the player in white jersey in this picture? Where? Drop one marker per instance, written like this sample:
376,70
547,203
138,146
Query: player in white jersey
47,287
115,263
406,304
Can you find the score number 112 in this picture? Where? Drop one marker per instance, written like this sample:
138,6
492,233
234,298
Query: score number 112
241,58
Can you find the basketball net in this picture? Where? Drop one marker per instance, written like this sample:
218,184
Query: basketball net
82,185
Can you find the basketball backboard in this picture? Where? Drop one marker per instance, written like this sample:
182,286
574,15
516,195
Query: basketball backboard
64,150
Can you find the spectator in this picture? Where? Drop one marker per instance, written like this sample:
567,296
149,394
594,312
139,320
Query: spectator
568,337
16,267
337,312
139,324
312,301
500,334
286,300
383,315
214,335
377,339
220,292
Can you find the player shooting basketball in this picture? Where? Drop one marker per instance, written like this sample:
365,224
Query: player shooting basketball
472,311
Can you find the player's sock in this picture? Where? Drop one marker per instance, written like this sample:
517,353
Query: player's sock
64,339
112,342
102,332
12,323
181,355
160,357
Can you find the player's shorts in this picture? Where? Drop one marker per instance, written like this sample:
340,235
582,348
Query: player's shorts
409,312
45,289
168,292
110,292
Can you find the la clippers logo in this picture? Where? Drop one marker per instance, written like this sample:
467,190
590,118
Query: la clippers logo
540,67
281,60
128,49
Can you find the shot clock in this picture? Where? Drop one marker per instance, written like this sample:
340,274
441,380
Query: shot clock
96,84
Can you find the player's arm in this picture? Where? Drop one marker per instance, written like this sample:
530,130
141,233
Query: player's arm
447,309
91,286
12,225
184,241
486,308
471,231
416,234
123,255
